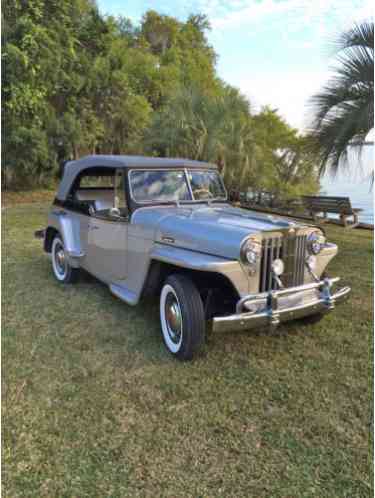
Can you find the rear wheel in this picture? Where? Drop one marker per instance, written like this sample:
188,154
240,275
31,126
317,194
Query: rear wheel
182,317
60,265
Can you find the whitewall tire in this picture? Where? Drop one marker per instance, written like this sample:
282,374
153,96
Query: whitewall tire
182,317
61,268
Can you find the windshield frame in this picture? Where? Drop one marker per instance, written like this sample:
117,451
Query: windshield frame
176,201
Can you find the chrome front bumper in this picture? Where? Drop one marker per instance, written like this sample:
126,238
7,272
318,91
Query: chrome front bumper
273,307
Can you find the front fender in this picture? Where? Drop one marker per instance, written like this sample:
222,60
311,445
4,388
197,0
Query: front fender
194,260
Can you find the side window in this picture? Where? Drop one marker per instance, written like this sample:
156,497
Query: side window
94,190
97,181
100,192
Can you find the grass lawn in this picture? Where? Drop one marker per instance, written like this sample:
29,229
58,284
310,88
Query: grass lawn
10,198
93,405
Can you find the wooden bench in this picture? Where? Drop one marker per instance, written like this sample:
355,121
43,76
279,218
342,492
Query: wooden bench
326,204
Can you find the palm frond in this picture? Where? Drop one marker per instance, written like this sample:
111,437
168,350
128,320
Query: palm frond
361,35
344,109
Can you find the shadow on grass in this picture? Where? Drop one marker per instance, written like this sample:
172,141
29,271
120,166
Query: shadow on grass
145,336
132,329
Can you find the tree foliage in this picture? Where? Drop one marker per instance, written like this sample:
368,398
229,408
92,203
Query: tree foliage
76,82
344,109
285,164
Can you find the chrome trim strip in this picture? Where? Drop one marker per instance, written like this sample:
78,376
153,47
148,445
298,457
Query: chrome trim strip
224,259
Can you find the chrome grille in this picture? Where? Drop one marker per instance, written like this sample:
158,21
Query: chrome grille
292,250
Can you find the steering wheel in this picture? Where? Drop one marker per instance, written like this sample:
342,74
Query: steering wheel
200,191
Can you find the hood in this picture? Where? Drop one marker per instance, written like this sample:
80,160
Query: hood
218,229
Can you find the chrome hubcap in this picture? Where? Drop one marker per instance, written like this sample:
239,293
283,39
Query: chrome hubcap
60,260
173,318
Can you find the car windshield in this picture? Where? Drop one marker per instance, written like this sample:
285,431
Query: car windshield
160,185
172,185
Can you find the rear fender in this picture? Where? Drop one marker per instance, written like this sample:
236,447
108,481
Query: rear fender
69,229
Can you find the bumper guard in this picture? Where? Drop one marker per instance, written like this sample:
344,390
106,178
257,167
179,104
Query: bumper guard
276,306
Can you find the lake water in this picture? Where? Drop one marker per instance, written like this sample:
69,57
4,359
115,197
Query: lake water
354,182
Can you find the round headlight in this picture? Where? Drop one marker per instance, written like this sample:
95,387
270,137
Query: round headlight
315,242
278,266
251,257
250,253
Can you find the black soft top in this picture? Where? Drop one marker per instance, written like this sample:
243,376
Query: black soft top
73,168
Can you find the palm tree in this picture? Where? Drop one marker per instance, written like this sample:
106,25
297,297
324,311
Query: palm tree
208,128
344,109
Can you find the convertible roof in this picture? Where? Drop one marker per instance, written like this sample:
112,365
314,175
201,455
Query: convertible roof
73,168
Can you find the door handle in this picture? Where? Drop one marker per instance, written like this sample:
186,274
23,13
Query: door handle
94,227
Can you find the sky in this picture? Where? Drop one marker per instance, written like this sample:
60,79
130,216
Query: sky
277,52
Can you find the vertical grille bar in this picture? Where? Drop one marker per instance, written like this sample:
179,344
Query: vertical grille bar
301,260
270,278
290,244
292,251
296,260
265,258
280,253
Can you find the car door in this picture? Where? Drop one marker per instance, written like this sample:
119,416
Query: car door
107,237
107,248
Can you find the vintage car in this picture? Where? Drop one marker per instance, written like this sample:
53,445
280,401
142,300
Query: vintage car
163,227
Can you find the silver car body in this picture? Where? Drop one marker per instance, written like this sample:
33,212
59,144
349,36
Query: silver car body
195,236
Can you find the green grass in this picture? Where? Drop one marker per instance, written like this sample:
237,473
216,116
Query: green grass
93,406
15,198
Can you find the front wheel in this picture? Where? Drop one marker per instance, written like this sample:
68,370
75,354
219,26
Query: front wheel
182,317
